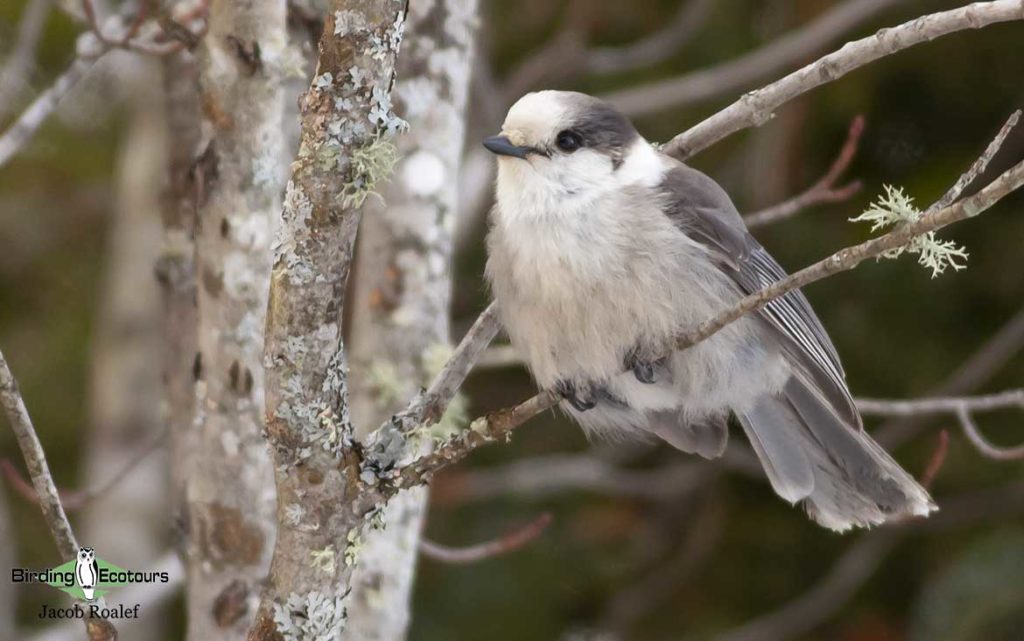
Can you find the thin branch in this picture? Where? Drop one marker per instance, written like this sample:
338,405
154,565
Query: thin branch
1009,399
823,191
35,462
979,166
756,107
509,542
937,460
736,75
19,133
92,46
500,424
975,371
97,629
431,405
849,258
20,61
74,500
982,444
658,46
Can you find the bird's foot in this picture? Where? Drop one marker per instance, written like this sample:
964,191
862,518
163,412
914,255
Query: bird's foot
642,369
569,392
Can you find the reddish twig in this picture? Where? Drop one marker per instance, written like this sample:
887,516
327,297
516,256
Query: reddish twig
75,500
509,542
823,191
937,459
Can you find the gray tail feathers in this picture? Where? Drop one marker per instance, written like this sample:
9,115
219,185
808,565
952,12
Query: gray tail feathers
843,477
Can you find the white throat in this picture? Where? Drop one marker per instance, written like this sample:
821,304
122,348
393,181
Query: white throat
566,187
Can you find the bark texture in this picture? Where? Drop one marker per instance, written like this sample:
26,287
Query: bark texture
344,152
239,175
399,334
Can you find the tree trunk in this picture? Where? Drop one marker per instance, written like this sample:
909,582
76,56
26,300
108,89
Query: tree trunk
239,179
129,522
344,152
400,332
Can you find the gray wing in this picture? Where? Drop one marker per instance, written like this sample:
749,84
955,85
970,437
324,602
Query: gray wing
702,209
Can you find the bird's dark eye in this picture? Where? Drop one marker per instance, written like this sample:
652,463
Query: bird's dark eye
568,141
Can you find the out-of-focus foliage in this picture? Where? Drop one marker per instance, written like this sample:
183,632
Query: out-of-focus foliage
980,594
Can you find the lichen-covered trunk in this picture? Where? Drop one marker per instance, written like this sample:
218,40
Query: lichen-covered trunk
399,334
239,176
344,151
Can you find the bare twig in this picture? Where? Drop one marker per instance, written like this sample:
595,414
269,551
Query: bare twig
942,405
35,461
849,258
823,191
989,358
74,500
736,75
19,63
982,444
19,133
509,542
979,166
92,46
431,405
936,461
97,629
756,107
658,46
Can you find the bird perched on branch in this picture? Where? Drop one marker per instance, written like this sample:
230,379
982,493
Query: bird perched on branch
602,250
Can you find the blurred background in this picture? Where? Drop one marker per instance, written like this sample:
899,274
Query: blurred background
646,543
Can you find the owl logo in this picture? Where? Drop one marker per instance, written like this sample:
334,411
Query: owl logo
86,572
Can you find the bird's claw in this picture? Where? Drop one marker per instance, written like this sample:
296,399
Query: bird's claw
643,370
569,392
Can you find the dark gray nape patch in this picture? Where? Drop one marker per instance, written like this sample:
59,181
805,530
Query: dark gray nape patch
602,127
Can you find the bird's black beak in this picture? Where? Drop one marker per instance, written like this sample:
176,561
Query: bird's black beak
503,147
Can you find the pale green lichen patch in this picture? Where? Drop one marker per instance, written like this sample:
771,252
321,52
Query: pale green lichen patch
354,545
896,208
323,560
368,166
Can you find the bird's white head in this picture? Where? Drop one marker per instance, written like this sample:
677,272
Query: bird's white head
560,151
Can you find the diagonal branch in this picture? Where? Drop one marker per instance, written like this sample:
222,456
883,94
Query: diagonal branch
35,461
500,424
658,46
736,75
756,108
98,629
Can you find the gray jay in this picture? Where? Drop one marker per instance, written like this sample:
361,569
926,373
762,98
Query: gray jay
602,250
